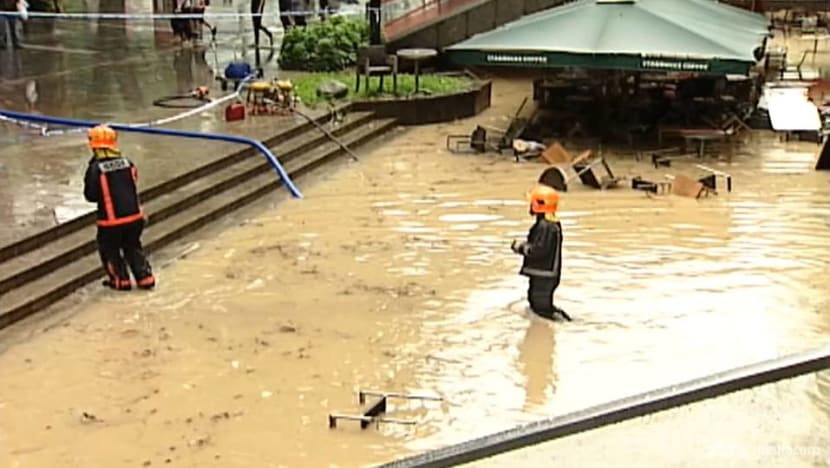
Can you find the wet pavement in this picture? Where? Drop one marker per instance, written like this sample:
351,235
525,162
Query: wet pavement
86,74
395,274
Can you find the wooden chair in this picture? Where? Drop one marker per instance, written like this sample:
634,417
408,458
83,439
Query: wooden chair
589,178
374,61
687,187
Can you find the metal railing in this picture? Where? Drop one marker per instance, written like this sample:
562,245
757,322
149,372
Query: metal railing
643,404
286,180
393,11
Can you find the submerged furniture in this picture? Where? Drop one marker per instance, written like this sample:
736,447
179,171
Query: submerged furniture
588,177
479,142
687,187
710,181
476,142
659,187
374,411
556,176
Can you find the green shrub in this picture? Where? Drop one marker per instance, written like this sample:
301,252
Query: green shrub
324,46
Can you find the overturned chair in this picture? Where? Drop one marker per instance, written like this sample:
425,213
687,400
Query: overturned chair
556,177
685,186
479,142
664,157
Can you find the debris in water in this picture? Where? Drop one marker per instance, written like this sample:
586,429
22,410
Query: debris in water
199,441
220,416
235,364
266,394
89,418
260,341
287,329
189,250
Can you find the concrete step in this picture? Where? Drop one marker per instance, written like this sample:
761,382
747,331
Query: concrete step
43,238
34,264
64,279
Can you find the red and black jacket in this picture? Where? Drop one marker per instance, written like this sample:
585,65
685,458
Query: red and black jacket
112,184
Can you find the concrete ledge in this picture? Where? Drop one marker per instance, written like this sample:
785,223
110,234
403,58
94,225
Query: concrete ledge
431,109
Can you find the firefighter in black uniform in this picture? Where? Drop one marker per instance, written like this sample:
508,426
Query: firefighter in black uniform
542,252
111,183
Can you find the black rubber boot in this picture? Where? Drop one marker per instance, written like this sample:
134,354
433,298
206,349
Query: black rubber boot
563,314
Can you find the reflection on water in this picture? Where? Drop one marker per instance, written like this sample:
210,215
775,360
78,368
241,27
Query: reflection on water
376,281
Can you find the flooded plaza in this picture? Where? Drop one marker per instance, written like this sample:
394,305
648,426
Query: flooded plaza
394,273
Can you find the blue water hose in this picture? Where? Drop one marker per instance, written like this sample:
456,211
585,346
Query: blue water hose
168,132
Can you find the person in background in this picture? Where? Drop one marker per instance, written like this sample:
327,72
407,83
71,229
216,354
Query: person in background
182,27
187,29
542,253
257,10
199,8
111,182
17,6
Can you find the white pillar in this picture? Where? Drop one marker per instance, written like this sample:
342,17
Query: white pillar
92,6
140,29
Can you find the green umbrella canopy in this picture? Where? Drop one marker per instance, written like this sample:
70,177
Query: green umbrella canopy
681,35
732,14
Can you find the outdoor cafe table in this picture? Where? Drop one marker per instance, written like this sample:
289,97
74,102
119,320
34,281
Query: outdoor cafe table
417,55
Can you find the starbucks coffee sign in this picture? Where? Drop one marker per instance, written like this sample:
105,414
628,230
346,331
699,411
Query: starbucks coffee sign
516,58
674,65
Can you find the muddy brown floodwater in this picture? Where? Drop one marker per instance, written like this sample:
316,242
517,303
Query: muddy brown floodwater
394,273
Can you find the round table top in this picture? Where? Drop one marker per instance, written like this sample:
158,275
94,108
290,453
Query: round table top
417,54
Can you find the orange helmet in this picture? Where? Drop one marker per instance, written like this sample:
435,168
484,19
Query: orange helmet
102,136
543,199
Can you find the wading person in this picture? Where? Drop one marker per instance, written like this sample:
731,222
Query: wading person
542,253
110,182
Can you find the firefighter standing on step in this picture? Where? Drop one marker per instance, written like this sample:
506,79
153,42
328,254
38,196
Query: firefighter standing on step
542,252
111,183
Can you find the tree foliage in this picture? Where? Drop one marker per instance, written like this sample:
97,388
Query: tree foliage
327,46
